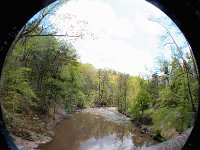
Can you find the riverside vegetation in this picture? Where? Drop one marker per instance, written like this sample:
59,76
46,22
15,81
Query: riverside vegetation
43,73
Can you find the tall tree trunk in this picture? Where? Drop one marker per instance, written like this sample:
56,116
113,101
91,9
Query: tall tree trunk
99,86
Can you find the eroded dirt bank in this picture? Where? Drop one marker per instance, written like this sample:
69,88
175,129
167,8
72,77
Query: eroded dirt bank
110,114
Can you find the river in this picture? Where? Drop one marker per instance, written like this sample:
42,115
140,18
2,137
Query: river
97,129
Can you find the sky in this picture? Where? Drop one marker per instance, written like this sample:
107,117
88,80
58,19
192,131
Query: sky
117,33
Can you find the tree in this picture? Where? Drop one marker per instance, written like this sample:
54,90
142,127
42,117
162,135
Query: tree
73,86
122,92
142,98
168,39
154,87
90,84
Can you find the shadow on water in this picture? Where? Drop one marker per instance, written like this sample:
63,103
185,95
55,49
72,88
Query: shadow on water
86,131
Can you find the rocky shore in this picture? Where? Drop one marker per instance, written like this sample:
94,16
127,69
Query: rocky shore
110,114
39,138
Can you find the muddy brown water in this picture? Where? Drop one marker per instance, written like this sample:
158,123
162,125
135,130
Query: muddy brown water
87,131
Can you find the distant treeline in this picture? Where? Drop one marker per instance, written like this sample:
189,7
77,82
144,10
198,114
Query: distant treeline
42,73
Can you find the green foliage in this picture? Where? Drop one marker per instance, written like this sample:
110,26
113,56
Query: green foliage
33,81
143,99
43,73
167,98
139,98
165,118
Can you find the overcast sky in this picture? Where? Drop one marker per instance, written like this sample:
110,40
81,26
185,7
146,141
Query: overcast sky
127,41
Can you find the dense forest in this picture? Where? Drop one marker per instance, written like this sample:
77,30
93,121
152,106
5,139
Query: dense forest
43,73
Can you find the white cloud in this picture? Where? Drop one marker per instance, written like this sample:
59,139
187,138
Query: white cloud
118,35
147,26
115,54
100,16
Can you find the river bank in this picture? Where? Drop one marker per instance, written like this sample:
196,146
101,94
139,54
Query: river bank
32,139
77,124
97,128
110,114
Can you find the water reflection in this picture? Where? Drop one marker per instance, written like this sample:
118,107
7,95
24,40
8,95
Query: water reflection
110,142
85,131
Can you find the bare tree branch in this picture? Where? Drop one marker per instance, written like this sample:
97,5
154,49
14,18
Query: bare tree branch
168,43
72,36
185,69
26,31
